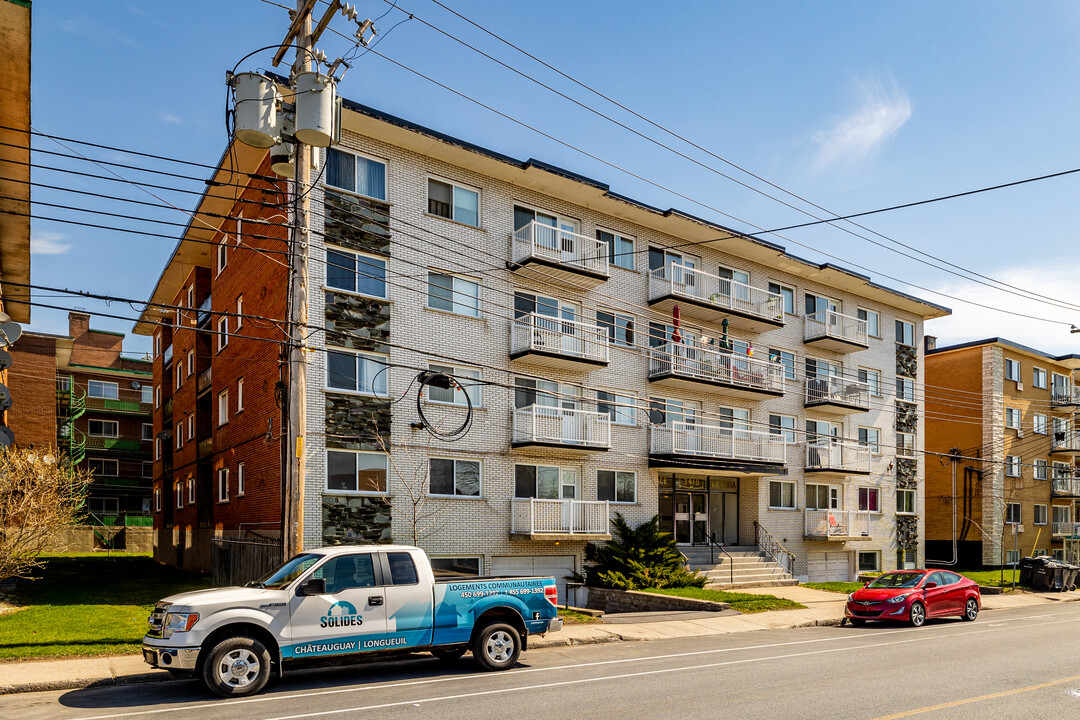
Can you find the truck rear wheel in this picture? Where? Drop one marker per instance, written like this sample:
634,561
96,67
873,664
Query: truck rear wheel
236,667
497,647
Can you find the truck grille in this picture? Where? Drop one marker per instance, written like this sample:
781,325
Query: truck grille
157,620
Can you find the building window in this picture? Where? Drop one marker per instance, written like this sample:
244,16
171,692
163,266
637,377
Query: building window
620,248
1012,557
454,477
359,472
619,327
453,202
1040,470
1040,515
545,482
906,559
871,438
191,427
223,407
190,490
785,358
223,332
356,372
1012,513
905,502
872,379
1038,378
356,173
179,379
157,448
616,486
1038,423
822,497
873,322
157,499
102,389
147,469
786,294
223,485
146,395
147,431
905,389
781,495
454,294
1012,370
869,499
101,467
468,384
1062,514
239,311
157,396
905,333
240,480
179,491
1013,466
179,435
1012,418
459,567
239,394
783,425
869,561
190,363
620,409
355,273
103,428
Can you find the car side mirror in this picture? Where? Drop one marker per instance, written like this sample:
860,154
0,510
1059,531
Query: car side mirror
930,585
314,586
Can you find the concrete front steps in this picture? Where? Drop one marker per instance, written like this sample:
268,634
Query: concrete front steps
747,567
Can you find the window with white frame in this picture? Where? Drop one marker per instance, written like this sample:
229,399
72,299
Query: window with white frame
781,495
620,248
870,499
873,322
179,379
1012,557
1038,423
355,273
905,502
905,333
157,396
784,426
822,497
178,490
239,311
103,467
871,438
618,486
146,395
356,173
364,373
869,561
621,409
1040,515
1012,369
546,482
1062,514
872,378
905,444
454,202
454,476
619,327
222,255
157,499
157,448
1012,418
103,428
191,427
240,480
905,389
147,431
102,389
1012,513
157,345
454,294
1013,466
786,358
179,435
468,383
239,394
223,485
223,407
356,472
190,363
1040,469
1038,378
787,296
190,490
223,332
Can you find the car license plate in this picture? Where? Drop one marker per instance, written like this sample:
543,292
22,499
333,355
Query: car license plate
150,656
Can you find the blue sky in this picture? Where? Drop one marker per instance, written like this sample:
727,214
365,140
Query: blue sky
853,105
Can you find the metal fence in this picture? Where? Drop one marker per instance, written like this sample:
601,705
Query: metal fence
236,561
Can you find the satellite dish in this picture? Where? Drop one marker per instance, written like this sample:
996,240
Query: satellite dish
5,398
9,333
6,437
5,360
135,384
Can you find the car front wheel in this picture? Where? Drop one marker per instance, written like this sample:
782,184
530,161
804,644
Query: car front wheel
971,610
917,614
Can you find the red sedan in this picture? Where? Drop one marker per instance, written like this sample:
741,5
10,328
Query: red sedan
913,596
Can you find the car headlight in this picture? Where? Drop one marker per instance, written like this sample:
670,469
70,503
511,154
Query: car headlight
898,598
851,597
178,622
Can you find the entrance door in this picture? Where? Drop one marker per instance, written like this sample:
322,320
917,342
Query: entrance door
724,517
700,521
572,339
682,518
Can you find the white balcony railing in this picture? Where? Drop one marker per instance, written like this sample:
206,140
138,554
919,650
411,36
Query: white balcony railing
838,523
698,363
831,324
837,390
535,516
1063,484
1065,395
723,293
835,455
562,426
1063,528
544,242
1062,440
681,438
543,333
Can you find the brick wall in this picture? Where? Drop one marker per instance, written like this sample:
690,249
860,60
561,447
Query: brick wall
32,381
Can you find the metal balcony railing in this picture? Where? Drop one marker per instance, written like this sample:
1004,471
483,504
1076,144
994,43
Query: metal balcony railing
831,324
1065,484
698,363
837,390
555,245
1065,441
535,516
1063,528
1065,395
721,293
204,379
682,438
202,315
167,356
836,455
837,523
573,339
562,426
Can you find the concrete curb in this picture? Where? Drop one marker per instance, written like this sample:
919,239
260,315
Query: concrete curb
84,683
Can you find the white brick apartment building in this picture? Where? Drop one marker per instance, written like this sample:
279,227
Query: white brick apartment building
790,403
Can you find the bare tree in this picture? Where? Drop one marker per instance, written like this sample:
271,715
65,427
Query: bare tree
40,494
411,495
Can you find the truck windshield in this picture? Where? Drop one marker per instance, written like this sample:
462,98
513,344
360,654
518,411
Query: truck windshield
287,573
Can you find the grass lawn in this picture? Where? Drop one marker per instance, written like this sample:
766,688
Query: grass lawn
743,602
572,617
88,604
837,587
992,578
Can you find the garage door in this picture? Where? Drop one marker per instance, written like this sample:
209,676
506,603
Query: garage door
557,566
828,567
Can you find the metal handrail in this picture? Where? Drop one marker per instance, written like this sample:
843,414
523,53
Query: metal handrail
772,547
712,557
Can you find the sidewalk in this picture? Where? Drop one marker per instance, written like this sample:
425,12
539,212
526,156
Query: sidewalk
822,608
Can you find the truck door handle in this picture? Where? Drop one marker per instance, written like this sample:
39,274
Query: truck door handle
374,600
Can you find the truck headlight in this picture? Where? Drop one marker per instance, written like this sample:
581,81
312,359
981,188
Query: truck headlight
178,622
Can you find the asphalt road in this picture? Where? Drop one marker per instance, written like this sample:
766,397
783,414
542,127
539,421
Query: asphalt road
1022,663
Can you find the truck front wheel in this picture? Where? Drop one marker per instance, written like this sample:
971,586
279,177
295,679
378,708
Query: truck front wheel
497,647
236,667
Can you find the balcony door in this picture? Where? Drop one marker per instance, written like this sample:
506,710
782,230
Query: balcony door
823,437
822,309
735,284
555,325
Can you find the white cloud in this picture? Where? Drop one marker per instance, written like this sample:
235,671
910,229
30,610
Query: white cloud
169,118
48,243
975,323
855,139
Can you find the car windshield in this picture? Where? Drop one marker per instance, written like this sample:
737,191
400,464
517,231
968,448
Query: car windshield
287,573
897,580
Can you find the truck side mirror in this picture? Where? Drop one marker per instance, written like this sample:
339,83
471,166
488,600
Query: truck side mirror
314,586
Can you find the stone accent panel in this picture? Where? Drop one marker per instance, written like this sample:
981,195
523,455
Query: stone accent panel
355,520
907,532
361,225
356,322
906,473
907,417
907,361
353,422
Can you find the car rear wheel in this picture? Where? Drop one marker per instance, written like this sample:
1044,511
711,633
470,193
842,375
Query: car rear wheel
917,614
971,610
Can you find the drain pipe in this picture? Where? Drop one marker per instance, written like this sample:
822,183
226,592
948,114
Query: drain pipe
954,456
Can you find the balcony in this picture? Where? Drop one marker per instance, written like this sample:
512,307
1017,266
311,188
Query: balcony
1065,396
563,344
710,298
830,330
709,449
536,519
838,525
166,410
1065,529
94,442
551,254
205,448
202,316
565,428
1064,484
689,367
836,395
119,406
204,380
1065,442
166,357
829,457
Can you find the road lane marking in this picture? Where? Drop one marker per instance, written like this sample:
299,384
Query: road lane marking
524,671
980,698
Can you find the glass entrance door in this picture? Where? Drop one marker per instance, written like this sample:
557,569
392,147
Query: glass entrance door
682,518
699,518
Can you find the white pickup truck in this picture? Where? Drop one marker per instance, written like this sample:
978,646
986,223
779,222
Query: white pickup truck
338,601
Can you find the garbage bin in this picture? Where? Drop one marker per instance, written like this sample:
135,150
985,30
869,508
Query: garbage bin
1042,574
1068,576
1027,566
